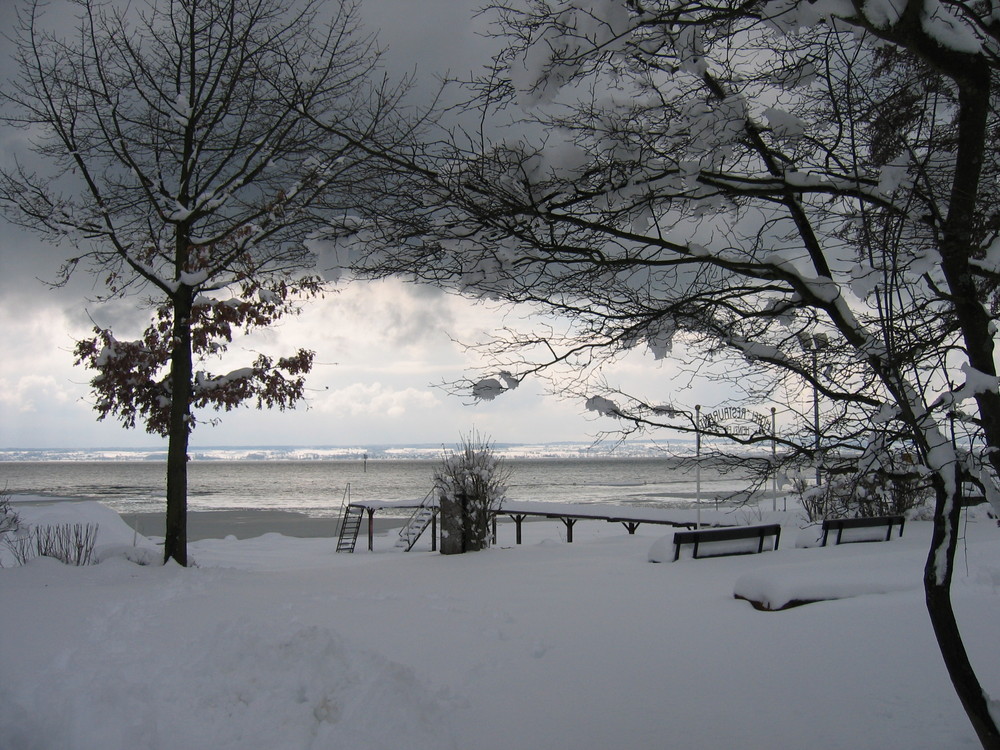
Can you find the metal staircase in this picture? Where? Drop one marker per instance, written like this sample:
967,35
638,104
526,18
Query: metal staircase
418,523
350,523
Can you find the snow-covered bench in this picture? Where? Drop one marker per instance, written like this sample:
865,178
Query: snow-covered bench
730,540
866,524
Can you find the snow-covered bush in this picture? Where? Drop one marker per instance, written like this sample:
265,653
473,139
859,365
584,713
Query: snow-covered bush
861,496
471,484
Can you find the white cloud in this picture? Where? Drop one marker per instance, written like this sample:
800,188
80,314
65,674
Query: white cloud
374,399
27,393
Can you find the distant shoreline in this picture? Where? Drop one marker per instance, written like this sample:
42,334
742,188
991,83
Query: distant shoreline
374,453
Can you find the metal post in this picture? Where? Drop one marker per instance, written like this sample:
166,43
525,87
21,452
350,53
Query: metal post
774,462
819,478
697,465
371,529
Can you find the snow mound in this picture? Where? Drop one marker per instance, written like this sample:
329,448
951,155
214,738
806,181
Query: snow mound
132,553
115,538
113,530
778,587
231,688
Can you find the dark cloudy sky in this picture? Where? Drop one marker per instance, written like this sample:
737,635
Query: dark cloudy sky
379,346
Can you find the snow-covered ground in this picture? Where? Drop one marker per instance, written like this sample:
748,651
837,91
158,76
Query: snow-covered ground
278,642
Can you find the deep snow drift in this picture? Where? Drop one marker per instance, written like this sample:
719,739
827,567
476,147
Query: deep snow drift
278,642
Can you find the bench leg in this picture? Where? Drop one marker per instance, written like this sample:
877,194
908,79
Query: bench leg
570,523
517,526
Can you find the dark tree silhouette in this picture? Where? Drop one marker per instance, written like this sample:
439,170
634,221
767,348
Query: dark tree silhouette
742,178
177,150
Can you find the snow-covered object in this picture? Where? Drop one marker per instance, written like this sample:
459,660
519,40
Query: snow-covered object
779,586
663,549
487,389
784,124
113,534
603,406
471,483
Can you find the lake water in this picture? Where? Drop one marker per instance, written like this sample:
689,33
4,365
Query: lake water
317,487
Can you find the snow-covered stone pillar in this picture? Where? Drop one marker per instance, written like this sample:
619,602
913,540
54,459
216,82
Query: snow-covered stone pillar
452,512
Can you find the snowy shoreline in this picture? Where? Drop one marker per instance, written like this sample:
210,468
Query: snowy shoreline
275,641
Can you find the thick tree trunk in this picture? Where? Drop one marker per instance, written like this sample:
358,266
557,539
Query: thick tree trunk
937,589
181,366
957,243
958,240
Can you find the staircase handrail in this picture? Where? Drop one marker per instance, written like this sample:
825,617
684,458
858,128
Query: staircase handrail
343,508
423,505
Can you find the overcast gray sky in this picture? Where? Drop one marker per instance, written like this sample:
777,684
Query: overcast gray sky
379,346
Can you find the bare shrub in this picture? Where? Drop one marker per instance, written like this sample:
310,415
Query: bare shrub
812,499
9,519
21,545
70,543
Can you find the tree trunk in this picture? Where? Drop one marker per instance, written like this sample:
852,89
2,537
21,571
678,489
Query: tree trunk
181,366
937,589
957,244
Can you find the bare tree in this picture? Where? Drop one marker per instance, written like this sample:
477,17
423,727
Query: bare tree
179,155
801,185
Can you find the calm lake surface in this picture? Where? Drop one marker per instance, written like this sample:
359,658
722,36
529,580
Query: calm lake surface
317,487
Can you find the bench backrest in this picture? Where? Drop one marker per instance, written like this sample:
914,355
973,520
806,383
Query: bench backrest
859,523
726,534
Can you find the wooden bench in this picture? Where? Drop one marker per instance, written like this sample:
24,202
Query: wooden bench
841,524
726,534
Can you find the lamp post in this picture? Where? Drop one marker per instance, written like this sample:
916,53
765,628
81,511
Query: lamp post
670,411
816,412
812,343
697,464
774,462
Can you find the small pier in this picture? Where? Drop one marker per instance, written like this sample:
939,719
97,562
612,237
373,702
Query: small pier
630,518
519,511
